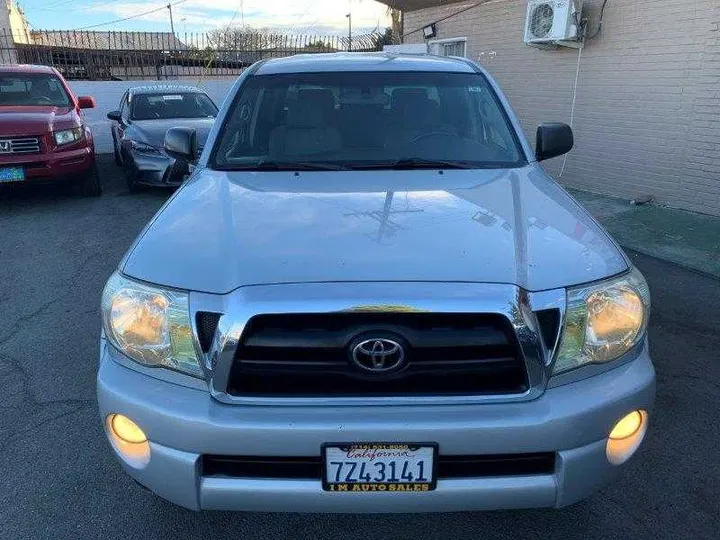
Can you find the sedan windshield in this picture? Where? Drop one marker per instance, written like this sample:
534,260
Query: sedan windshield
31,89
366,120
172,105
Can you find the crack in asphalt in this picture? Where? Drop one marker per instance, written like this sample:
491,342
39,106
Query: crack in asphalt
43,411
26,387
16,326
11,438
81,267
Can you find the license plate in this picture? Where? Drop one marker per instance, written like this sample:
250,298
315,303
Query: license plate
391,467
12,174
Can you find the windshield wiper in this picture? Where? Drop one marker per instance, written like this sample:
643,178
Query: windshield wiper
285,166
412,163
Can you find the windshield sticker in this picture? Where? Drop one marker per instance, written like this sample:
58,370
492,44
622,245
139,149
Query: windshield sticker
172,97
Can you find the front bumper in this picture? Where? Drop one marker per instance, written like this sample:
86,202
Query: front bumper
182,424
156,170
66,165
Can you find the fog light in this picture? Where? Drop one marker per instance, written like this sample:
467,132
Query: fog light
626,437
126,429
128,440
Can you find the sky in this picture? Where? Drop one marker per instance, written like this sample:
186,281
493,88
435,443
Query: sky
317,17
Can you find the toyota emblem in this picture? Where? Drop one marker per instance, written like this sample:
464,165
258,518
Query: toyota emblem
378,355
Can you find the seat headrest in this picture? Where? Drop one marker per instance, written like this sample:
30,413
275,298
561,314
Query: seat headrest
311,109
415,107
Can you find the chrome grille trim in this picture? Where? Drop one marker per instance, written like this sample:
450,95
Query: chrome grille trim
20,145
443,354
238,307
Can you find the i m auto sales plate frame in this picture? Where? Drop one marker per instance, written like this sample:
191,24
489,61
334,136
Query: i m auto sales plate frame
372,453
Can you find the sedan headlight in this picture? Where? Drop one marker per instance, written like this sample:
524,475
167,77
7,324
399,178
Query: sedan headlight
67,136
603,321
144,148
151,325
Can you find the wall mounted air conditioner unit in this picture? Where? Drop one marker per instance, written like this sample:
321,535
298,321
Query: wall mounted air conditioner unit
553,22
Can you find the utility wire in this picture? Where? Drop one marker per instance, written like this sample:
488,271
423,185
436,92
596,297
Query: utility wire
454,14
131,16
572,108
55,6
600,21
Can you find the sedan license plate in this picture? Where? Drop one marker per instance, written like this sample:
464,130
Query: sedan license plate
12,174
394,467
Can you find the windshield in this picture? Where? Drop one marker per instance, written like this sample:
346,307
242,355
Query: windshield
360,120
32,89
172,105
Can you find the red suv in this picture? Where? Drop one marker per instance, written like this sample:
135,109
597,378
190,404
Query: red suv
43,135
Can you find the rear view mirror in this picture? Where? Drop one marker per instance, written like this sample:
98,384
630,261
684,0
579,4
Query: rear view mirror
553,140
181,143
86,102
114,115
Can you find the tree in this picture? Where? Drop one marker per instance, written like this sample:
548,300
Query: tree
396,24
386,38
319,45
245,39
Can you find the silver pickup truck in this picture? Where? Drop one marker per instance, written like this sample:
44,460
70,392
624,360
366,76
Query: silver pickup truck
370,297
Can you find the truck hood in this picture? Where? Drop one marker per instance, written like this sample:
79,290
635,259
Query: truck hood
36,119
225,230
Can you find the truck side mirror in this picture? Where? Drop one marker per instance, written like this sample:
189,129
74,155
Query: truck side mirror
553,140
114,115
181,143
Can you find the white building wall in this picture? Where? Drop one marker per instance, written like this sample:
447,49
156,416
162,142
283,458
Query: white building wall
7,45
647,109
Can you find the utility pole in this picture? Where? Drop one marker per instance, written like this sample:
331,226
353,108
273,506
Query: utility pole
384,218
349,17
172,26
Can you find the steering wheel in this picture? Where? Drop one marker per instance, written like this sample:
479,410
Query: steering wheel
441,132
44,98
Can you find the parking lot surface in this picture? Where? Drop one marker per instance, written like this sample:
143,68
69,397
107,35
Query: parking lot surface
59,479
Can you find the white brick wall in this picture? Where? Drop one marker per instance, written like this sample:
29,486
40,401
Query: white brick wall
647,117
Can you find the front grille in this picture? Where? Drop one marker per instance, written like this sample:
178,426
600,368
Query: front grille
549,321
20,145
206,323
310,356
310,468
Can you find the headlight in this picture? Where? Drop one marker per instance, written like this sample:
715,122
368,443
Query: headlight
149,324
603,321
67,136
144,148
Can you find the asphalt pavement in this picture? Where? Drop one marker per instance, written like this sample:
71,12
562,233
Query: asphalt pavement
59,479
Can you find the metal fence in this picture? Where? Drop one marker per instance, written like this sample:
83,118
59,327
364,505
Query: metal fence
88,55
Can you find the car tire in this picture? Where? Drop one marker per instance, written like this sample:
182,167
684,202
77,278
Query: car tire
90,184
